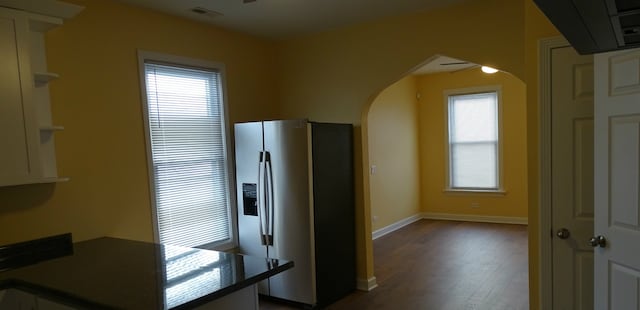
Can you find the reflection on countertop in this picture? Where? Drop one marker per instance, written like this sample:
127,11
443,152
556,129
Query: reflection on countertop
112,273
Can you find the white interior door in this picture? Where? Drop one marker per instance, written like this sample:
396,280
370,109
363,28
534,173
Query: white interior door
617,180
572,178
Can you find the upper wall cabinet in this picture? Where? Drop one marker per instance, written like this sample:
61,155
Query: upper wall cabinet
595,26
27,150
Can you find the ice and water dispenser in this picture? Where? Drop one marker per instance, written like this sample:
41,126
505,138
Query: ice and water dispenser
250,198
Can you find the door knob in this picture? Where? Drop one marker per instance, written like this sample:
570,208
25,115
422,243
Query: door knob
563,233
600,241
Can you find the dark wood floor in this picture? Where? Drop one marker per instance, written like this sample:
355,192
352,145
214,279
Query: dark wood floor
444,265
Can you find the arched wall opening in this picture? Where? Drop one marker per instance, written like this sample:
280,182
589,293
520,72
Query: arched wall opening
334,76
404,150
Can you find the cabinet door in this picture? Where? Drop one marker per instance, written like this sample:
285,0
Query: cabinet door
45,304
17,299
18,131
244,299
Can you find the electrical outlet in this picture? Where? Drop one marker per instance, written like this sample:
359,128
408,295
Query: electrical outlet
475,205
374,169
375,218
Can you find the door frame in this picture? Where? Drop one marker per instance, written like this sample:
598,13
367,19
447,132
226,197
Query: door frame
545,286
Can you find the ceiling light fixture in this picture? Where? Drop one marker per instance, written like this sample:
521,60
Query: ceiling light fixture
489,70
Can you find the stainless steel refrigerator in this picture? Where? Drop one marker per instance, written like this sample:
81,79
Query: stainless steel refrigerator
295,192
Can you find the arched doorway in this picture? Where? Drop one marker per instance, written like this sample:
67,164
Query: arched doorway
405,153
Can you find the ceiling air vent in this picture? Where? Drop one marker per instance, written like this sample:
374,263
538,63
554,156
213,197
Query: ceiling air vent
206,12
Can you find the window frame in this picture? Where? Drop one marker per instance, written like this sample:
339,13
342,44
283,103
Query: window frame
499,189
190,63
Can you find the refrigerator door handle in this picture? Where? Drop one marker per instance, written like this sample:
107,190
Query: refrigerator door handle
269,197
261,197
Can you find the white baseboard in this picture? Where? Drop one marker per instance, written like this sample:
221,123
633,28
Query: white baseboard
476,218
366,284
448,217
395,226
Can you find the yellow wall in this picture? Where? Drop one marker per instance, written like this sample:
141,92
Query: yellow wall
393,149
433,142
335,75
330,76
97,99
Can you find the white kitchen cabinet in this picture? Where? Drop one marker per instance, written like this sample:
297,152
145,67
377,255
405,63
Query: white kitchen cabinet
18,128
12,299
15,299
46,304
243,299
27,144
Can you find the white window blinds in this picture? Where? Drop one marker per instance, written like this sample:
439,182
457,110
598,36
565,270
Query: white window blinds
187,141
473,141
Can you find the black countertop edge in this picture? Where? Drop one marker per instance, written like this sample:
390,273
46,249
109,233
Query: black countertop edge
53,295
81,303
57,246
233,288
34,251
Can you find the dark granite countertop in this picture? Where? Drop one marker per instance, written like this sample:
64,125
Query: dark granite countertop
110,273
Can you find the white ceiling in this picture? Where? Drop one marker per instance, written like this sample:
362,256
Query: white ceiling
279,19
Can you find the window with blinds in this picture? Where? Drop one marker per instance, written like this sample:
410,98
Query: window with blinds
474,145
186,140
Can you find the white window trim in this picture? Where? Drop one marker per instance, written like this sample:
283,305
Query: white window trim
178,61
468,91
466,192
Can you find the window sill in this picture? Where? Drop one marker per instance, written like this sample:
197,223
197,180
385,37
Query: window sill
227,245
491,192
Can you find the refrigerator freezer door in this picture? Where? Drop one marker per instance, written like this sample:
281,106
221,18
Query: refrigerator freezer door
287,143
249,145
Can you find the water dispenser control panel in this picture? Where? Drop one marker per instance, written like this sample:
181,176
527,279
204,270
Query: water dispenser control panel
250,199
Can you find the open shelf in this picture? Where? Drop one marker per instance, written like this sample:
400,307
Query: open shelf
51,128
42,78
54,180
41,23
